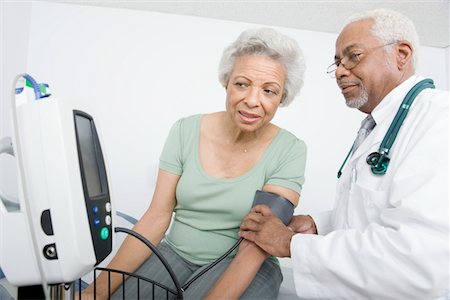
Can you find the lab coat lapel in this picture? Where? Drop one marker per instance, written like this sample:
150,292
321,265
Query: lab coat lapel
383,115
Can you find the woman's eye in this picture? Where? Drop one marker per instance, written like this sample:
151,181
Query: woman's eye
270,92
240,84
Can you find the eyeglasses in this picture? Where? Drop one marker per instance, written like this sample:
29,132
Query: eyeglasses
351,60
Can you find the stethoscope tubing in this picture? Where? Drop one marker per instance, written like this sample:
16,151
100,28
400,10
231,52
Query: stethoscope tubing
396,124
402,112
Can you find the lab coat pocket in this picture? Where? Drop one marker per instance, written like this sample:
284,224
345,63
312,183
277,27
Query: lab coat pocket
366,205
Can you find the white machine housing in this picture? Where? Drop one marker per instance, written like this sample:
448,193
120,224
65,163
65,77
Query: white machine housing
65,216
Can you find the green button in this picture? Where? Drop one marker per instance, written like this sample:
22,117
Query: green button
104,233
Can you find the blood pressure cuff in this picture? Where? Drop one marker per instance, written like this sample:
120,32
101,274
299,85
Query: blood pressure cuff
280,206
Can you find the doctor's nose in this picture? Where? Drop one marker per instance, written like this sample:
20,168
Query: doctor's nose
341,71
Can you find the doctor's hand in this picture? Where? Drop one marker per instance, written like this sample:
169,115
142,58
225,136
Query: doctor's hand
303,224
266,230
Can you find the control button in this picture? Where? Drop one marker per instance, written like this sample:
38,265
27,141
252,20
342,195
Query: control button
108,206
104,233
95,209
46,222
97,222
108,220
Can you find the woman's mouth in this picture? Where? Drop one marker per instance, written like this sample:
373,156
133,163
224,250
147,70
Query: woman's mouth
248,117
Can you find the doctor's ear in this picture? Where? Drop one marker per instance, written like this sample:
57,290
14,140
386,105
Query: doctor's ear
404,52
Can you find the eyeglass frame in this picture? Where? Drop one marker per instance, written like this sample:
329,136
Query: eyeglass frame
332,71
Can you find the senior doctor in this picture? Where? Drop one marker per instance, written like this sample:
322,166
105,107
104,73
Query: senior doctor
388,235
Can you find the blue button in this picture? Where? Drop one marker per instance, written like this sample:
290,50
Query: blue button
97,222
95,209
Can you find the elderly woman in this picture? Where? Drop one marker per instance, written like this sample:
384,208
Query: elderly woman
210,168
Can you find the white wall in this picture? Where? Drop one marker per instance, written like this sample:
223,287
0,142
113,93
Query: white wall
447,65
137,72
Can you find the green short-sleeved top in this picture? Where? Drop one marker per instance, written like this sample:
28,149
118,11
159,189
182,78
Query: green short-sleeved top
210,210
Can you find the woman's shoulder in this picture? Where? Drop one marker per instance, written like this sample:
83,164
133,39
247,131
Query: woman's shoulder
188,122
288,152
212,118
190,119
287,137
185,128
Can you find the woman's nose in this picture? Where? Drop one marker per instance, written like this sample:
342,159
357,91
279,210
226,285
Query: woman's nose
252,97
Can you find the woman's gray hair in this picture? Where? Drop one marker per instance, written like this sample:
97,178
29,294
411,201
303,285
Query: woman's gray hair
391,26
269,42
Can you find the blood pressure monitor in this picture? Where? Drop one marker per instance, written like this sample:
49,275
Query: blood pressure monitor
62,226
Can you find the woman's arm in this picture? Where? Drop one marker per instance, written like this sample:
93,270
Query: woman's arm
152,225
242,270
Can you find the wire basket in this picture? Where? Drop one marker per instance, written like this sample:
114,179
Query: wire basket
177,292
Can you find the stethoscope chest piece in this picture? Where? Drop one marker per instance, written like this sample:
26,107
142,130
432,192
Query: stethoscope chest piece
373,158
378,163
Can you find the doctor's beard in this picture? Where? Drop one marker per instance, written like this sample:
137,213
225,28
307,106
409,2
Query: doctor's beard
360,100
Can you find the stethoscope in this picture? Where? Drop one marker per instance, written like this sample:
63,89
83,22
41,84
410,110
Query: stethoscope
379,161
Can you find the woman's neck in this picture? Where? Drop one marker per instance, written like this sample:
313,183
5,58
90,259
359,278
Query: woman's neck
235,135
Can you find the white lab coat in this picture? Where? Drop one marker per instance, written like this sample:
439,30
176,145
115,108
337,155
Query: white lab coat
387,236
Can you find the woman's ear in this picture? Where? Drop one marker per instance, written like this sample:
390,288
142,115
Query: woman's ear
283,98
404,52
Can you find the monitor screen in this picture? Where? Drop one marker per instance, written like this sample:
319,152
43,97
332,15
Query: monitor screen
88,157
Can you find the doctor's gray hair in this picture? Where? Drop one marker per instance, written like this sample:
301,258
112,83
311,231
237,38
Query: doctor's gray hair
269,42
391,26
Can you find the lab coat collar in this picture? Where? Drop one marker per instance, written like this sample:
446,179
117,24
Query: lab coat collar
384,114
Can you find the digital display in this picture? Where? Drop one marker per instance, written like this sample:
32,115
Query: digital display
88,157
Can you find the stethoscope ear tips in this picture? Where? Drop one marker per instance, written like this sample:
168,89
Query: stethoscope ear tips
373,158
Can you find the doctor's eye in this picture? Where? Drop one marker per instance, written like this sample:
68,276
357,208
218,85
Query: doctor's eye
354,57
